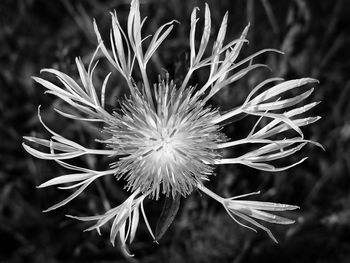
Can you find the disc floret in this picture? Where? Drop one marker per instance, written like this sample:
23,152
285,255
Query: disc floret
168,149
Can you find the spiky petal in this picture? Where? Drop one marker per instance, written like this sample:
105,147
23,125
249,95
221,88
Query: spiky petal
250,210
170,149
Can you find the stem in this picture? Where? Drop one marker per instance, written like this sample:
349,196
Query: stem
233,143
204,88
147,86
131,87
262,141
100,152
229,160
227,115
210,193
187,78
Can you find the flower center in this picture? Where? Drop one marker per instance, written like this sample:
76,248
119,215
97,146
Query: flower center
169,149
162,148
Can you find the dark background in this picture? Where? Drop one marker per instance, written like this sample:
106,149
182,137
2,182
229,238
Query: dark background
36,34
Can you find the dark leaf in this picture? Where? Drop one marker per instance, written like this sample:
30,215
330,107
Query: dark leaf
170,209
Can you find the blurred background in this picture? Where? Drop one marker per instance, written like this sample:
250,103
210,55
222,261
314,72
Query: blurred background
315,35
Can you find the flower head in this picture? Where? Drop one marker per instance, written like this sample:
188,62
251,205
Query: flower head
168,148
166,139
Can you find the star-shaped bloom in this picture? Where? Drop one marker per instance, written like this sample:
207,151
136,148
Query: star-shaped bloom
166,139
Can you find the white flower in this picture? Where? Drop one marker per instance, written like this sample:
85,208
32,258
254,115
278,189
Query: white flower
166,139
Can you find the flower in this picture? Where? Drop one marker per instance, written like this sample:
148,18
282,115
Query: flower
166,139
